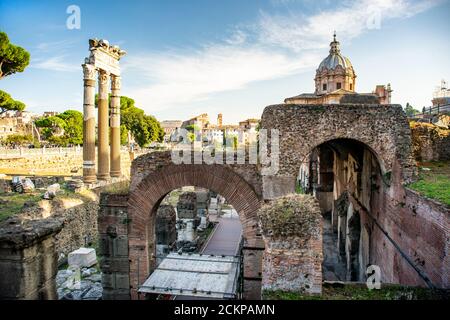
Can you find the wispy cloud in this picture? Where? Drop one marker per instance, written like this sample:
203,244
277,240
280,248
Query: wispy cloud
56,63
274,47
298,32
53,56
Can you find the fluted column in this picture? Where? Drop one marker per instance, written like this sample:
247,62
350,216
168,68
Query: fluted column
89,124
115,126
103,126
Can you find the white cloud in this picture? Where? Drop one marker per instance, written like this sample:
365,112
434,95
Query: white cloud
181,78
298,32
275,47
56,63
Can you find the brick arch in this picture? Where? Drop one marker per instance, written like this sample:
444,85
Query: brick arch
146,195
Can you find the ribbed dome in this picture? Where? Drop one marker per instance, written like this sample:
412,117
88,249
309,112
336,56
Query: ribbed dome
333,60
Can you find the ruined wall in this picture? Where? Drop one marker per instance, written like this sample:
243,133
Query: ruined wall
383,128
405,234
292,230
113,246
420,227
80,225
166,232
28,260
53,164
430,142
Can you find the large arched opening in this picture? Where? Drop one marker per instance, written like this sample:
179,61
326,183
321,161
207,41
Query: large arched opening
347,178
145,199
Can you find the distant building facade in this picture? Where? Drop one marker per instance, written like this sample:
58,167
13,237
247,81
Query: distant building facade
170,127
219,133
441,95
16,122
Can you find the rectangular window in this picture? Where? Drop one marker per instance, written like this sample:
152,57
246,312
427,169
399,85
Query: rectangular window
351,86
338,85
324,86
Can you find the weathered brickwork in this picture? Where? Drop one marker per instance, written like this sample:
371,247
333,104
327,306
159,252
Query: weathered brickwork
28,260
399,225
292,230
154,175
383,128
113,250
420,227
430,143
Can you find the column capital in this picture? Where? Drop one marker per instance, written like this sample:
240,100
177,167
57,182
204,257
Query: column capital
116,82
88,71
103,77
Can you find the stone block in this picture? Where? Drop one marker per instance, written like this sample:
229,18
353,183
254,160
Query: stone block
277,186
83,257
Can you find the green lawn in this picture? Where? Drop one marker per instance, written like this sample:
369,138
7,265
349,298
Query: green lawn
435,182
12,203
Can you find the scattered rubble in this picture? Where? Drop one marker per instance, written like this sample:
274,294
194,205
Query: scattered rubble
79,284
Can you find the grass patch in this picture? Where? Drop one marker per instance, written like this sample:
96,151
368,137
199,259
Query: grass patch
434,181
361,292
121,187
12,203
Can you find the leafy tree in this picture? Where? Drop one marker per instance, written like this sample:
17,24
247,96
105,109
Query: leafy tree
63,129
410,111
144,128
12,58
123,134
7,103
73,126
50,126
18,139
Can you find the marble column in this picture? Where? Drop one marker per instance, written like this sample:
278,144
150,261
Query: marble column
89,124
103,126
115,126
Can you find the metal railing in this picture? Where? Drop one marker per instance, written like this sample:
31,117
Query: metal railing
432,111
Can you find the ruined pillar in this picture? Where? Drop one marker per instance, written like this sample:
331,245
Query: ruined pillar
292,233
103,126
115,126
29,260
89,124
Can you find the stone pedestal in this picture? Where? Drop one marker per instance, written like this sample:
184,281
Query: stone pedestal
103,126
83,257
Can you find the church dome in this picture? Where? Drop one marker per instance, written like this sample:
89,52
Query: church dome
335,72
335,58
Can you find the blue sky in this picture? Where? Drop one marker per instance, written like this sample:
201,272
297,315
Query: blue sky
192,56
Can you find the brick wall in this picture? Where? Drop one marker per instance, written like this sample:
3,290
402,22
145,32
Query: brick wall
292,229
113,246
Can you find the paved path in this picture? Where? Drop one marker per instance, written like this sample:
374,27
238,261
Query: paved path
333,266
226,237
